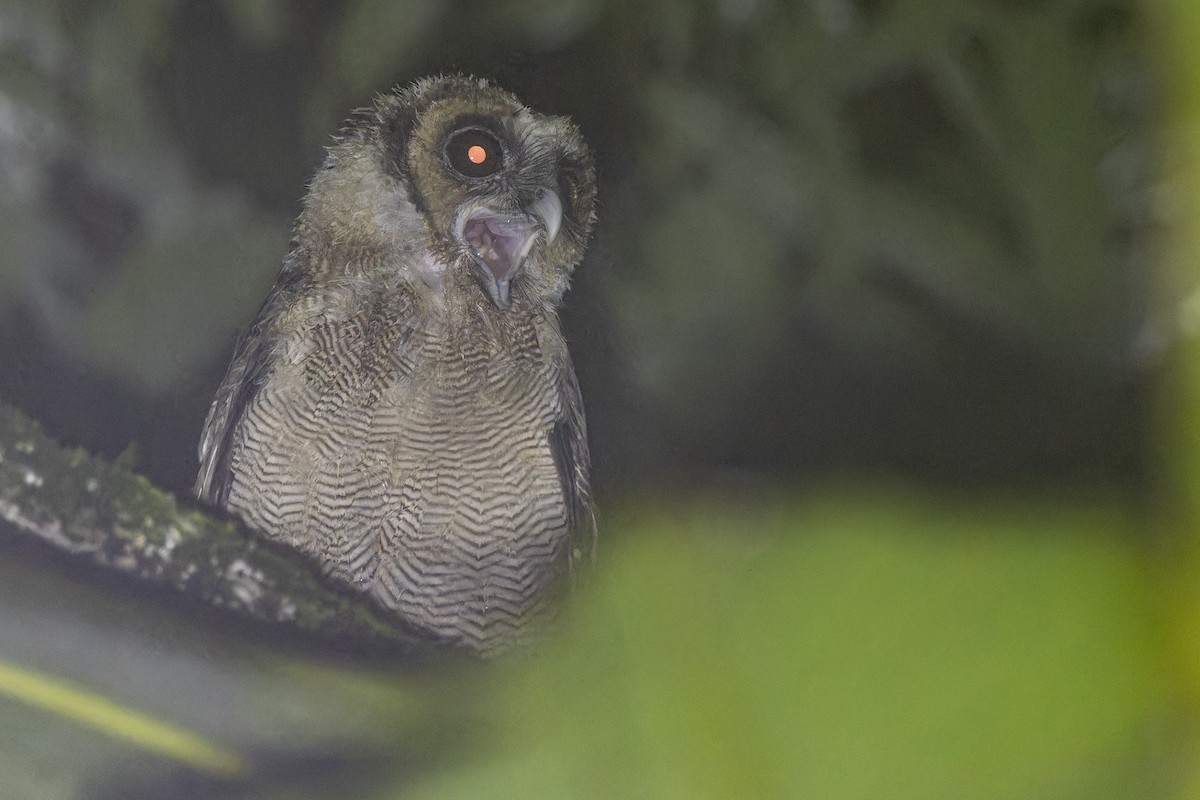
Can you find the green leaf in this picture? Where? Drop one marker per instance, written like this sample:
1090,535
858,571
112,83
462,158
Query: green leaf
863,647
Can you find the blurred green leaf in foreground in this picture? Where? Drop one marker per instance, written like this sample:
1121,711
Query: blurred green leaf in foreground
1178,23
894,648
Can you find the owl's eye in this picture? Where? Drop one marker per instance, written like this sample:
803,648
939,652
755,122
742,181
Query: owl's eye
474,153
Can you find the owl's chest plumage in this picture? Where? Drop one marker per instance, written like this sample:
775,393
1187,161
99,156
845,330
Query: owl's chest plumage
414,463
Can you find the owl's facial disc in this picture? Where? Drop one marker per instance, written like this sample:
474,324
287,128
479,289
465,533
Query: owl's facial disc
500,242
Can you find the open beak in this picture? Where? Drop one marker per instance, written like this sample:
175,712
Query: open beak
501,241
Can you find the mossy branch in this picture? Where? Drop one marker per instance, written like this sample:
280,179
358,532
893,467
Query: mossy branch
106,514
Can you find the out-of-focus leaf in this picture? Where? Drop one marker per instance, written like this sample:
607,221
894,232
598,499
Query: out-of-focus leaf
1177,25
863,647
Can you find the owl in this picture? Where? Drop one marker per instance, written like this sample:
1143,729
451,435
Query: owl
404,409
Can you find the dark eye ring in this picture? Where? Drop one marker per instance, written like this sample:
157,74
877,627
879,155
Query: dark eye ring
474,153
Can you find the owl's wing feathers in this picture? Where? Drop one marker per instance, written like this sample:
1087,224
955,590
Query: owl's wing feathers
569,447
252,360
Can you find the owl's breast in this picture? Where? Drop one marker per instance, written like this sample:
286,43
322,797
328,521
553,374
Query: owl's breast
419,474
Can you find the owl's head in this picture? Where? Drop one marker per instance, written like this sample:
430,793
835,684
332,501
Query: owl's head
453,173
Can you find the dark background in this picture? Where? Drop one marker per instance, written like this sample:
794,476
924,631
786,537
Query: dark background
834,236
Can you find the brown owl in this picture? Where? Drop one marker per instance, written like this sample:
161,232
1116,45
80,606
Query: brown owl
404,409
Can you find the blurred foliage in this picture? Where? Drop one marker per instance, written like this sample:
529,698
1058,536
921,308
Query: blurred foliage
1177,22
833,232
901,648
112,239
967,180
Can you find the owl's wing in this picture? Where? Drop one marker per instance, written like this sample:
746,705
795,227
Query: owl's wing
569,447
252,359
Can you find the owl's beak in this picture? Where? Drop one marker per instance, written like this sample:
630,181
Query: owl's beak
547,209
501,241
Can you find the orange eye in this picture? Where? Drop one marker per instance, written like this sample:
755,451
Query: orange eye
474,153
